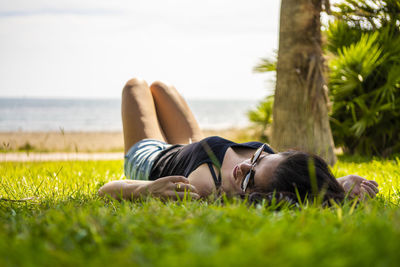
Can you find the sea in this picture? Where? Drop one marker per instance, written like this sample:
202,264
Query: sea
87,115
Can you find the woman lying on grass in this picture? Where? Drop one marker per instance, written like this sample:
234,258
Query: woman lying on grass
167,157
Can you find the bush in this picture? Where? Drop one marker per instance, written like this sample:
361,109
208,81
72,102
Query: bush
365,76
262,116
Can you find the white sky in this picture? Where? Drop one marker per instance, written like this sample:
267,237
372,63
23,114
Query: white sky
90,48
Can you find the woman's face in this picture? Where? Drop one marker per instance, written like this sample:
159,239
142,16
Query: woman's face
264,169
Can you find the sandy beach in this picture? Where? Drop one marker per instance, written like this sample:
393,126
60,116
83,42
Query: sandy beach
59,156
61,142
87,142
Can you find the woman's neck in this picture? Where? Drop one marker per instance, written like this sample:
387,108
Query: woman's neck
233,157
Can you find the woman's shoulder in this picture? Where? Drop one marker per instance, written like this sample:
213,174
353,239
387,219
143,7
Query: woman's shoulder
215,138
217,141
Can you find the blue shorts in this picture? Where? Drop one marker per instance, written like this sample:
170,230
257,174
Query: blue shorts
140,158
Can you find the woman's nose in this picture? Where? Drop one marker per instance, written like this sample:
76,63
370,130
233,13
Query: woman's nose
245,167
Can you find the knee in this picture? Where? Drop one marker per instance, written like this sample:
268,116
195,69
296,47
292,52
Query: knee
134,83
159,87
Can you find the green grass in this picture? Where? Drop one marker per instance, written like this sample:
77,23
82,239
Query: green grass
68,225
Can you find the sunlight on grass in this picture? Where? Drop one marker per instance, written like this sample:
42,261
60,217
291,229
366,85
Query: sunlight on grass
65,223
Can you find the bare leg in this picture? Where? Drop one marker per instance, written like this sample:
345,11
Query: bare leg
176,119
139,118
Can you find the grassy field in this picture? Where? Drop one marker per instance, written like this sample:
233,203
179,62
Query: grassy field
66,224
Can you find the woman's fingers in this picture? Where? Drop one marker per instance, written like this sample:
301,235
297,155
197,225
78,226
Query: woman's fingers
371,185
175,179
367,189
181,195
181,187
178,179
187,194
373,182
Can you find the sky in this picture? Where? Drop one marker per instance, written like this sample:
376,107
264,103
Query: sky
90,48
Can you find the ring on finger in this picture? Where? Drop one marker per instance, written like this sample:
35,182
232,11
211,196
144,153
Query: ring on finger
178,186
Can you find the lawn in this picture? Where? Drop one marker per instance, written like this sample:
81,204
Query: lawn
66,224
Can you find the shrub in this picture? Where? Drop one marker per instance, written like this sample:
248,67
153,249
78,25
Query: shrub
365,76
262,116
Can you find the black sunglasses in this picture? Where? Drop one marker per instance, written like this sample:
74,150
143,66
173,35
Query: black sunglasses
250,175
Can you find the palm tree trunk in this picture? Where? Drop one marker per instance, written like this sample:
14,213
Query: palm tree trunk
300,107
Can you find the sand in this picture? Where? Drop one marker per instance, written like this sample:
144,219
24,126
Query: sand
60,146
88,142
59,156
61,142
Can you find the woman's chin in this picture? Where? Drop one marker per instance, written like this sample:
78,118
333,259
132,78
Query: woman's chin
232,189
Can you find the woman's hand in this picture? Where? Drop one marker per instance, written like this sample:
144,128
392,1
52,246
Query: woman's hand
170,187
357,186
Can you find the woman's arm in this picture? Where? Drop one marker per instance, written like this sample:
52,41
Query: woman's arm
357,186
170,187
124,189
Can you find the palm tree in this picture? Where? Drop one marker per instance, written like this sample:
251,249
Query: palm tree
300,107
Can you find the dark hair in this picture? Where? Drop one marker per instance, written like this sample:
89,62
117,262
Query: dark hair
300,175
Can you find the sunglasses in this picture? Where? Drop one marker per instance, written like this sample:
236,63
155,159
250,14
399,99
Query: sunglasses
250,175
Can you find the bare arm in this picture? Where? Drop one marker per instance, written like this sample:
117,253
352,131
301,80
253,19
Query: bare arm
123,189
170,187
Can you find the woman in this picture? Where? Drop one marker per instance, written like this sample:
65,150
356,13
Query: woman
167,157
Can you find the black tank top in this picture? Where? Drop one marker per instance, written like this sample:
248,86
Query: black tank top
184,159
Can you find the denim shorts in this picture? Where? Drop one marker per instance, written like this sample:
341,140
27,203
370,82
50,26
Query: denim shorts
140,158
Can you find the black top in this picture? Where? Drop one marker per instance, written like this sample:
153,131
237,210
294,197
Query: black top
184,159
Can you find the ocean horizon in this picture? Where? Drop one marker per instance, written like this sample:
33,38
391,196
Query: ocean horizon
29,114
